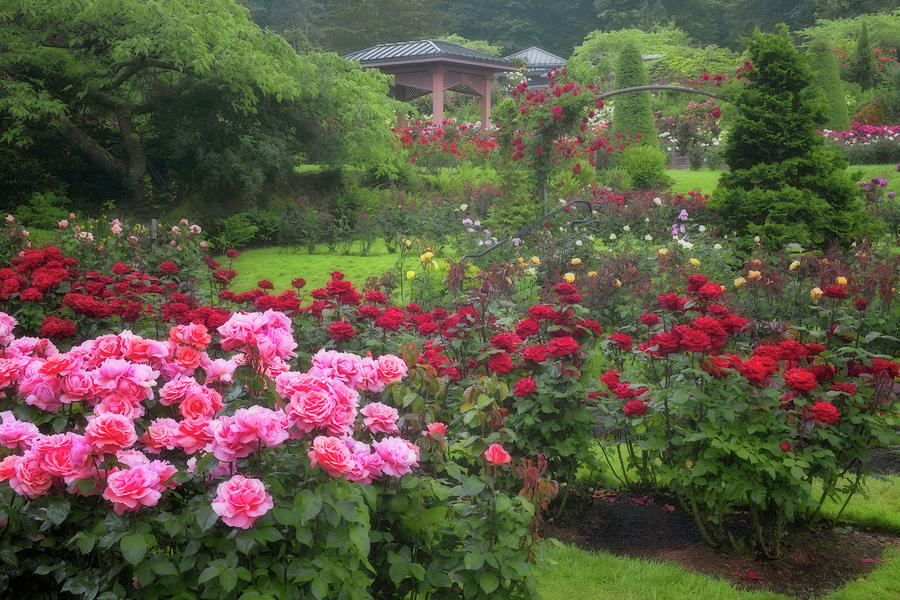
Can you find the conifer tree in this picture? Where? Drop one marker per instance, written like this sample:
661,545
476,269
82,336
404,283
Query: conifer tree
631,112
864,63
827,80
784,185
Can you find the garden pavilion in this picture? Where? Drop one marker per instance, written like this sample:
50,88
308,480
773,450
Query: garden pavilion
538,63
433,66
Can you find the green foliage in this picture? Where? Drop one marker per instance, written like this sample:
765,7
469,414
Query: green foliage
631,112
235,231
480,45
863,61
44,211
645,166
783,185
827,80
883,29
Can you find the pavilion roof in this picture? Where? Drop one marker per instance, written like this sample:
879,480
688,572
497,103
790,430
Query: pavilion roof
427,51
536,57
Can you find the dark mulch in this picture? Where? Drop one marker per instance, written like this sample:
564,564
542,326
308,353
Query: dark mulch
814,562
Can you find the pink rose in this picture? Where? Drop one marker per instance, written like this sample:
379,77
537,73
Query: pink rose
132,488
110,432
380,418
399,455
365,465
332,454
436,428
161,433
8,467
200,402
193,435
120,406
369,376
234,436
240,501
496,455
16,434
29,478
174,391
391,368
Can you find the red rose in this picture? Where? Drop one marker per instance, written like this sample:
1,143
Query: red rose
298,283
500,363
710,291
506,341
842,386
610,378
800,380
564,289
825,412
535,354
541,311
527,327
695,282
232,253
634,408
31,295
621,341
563,346
341,330
121,268
786,447
692,340
822,372
524,387
56,328
860,304
835,291
672,302
265,284
650,319
168,268
757,370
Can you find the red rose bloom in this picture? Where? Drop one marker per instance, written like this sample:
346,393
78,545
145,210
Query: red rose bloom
506,341
650,319
634,408
710,291
563,346
527,327
542,311
121,268
825,412
500,363
31,295
672,302
757,370
535,354
564,289
800,380
835,291
785,447
232,253
298,283
168,268
842,386
822,372
524,387
621,341
610,378
341,330
692,340
56,328
860,304
695,282
265,284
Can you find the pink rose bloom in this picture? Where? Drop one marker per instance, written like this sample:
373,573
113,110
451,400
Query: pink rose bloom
141,350
399,455
176,390
8,467
193,334
110,432
496,455
41,391
165,471
132,458
16,434
29,478
365,465
121,406
193,435
220,371
161,433
271,426
369,376
310,410
76,386
200,402
391,368
7,324
133,381
10,370
56,456
380,418
436,428
234,436
240,501
31,348
332,454
132,488
342,366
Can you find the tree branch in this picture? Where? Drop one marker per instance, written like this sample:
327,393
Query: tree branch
91,150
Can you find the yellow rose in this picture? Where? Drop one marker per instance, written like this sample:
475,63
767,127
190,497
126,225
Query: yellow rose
694,262
739,281
816,293
592,273
576,261
794,265
841,281
408,243
754,274
618,283
410,274
520,260
569,277
662,251
535,260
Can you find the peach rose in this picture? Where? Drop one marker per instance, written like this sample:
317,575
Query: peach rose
332,453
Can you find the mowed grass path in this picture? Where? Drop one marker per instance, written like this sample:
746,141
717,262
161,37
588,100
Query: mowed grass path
706,180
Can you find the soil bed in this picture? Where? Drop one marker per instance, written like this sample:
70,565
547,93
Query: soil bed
814,562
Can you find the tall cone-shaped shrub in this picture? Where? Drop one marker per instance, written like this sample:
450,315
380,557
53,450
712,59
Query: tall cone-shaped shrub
864,61
784,185
827,80
631,112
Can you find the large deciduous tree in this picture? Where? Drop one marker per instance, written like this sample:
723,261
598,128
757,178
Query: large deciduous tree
142,88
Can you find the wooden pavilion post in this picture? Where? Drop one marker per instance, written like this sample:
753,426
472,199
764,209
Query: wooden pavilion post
437,95
486,102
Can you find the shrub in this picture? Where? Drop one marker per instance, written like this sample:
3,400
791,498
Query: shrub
783,184
631,112
645,166
235,231
44,211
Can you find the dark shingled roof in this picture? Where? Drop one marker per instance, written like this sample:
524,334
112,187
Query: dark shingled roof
425,49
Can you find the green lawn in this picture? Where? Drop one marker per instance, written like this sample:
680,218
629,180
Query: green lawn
705,180
280,266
